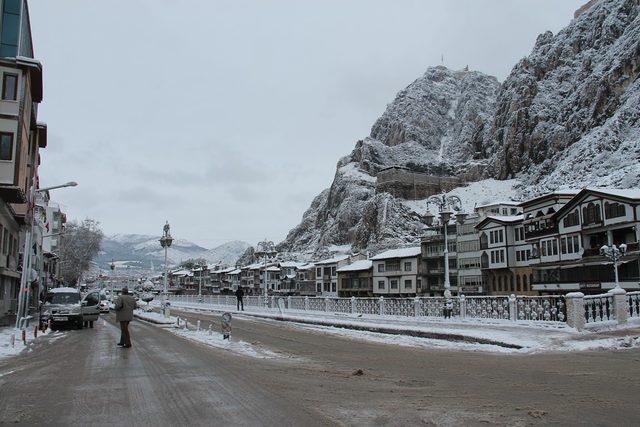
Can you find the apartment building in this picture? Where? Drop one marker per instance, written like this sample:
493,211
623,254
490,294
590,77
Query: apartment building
307,280
356,279
567,243
505,255
21,137
432,245
327,273
398,272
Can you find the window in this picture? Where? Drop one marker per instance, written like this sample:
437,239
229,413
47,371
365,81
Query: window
518,258
319,288
418,283
591,214
614,210
571,219
407,284
407,266
501,239
491,237
569,245
563,245
555,246
501,256
381,284
333,272
10,28
318,272
333,287
576,244
493,257
9,87
392,265
544,248
394,284
381,268
6,146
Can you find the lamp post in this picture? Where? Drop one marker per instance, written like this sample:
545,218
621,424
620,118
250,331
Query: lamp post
200,282
266,249
614,254
444,204
165,242
113,273
25,289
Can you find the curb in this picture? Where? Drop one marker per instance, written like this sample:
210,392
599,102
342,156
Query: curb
378,329
155,322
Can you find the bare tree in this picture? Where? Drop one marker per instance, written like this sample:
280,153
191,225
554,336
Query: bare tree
80,245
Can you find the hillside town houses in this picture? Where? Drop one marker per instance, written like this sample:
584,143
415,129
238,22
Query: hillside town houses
549,244
23,209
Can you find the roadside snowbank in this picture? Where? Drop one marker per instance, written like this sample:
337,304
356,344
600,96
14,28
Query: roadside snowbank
10,347
214,339
457,334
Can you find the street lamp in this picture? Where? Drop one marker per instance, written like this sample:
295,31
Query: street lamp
165,242
444,204
267,250
614,254
113,271
25,290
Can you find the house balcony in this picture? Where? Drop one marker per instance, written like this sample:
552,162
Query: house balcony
540,232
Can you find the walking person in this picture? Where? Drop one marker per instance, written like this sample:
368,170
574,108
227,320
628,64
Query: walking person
124,306
239,296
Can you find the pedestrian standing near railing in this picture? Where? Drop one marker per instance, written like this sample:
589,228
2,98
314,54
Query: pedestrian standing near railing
239,296
124,306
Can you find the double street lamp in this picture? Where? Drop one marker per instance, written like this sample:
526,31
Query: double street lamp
445,205
614,254
267,250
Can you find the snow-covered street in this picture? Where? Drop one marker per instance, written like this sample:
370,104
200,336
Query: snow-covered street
281,373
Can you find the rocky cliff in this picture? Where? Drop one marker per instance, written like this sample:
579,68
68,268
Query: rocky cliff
438,124
566,116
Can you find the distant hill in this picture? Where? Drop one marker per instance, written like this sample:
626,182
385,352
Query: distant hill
145,250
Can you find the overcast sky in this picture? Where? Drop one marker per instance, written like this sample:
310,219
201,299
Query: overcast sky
227,117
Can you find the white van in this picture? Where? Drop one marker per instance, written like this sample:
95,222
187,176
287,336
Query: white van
66,306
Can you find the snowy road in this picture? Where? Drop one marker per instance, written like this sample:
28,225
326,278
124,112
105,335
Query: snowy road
83,379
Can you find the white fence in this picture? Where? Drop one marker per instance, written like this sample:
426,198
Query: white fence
514,308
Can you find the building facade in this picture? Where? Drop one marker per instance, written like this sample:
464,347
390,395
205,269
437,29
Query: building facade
398,272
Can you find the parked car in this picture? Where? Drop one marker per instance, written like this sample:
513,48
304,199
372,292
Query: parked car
104,306
66,306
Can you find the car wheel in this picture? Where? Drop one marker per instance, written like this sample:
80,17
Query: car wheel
79,325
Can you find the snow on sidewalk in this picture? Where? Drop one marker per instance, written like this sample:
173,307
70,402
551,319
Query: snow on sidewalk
10,347
155,317
464,334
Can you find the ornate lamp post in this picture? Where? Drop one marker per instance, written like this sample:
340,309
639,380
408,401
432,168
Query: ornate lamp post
614,254
165,242
267,250
113,271
444,204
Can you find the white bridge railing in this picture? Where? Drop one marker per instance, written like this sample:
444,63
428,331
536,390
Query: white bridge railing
514,308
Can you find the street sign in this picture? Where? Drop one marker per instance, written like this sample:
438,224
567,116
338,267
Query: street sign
226,326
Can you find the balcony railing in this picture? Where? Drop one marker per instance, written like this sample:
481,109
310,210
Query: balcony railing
541,232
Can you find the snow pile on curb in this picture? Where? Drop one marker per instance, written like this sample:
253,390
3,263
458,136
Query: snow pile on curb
235,346
153,317
9,348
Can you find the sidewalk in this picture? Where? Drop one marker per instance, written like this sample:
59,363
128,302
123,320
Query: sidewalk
531,336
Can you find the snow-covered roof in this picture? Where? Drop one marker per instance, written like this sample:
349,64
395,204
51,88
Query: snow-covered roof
291,264
361,265
630,193
64,290
502,202
506,218
333,260
399,253
273,268
235,271
182,273
225,270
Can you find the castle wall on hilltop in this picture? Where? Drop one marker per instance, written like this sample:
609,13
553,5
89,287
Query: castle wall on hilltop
406,184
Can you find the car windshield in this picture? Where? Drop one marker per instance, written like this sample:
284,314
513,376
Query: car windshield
62,298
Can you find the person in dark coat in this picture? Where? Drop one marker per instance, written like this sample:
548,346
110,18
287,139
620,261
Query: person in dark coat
239,296
124,306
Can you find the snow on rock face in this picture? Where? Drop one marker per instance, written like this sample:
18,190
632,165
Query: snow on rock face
437,123
568,115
